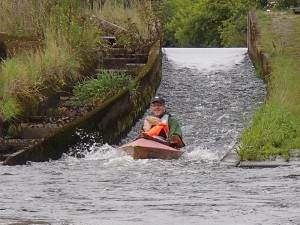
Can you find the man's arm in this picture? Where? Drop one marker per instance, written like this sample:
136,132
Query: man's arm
175,134
174,128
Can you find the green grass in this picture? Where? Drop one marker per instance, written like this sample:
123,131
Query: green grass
275,131
68,40
94,91
10,107
26,78
275,127
138,17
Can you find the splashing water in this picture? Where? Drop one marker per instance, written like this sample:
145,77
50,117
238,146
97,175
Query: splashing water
212,93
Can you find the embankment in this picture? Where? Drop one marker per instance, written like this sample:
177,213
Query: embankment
272,138
111,119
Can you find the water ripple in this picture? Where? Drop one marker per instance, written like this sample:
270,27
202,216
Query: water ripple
213,105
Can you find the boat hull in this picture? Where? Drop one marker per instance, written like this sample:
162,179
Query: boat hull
148,149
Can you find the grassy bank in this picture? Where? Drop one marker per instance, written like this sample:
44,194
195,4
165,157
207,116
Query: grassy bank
275,127
68,42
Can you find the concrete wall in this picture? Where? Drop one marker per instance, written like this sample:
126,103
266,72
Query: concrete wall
112,119
255,49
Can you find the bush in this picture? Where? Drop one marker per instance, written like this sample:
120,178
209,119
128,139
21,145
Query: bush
205,23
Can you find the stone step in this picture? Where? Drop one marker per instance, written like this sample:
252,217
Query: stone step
135,55
130,73
121,61
117,51
10,146
64,113
123,52
117,54
109,39
56,111
38,130
134,67
3,157
296,10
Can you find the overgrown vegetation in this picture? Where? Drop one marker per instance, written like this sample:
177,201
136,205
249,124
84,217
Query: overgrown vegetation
211,23
208,24
101,88
275,128
67,41
135,15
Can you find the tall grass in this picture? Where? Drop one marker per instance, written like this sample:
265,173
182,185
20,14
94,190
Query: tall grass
135,15
95,90
26,78
17,17
69,40
275,129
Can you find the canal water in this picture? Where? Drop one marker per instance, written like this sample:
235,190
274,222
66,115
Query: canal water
212,93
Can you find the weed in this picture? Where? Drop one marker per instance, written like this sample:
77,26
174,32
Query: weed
134,15
69,41
9,108
95,90
275,126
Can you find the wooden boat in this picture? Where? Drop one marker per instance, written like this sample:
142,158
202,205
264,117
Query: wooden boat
147,147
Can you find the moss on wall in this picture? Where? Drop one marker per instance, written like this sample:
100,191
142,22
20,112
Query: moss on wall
256,51
111,119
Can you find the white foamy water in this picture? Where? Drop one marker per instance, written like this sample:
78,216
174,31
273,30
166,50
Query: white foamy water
206,58
108,187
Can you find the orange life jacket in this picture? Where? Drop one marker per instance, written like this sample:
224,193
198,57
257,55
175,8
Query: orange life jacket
156,130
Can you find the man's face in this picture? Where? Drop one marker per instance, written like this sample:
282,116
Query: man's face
157,109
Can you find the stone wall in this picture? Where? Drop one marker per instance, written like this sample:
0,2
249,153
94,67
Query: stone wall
255,49
111,119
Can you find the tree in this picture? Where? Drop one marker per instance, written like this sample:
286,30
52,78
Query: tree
234,30
205,23
171,17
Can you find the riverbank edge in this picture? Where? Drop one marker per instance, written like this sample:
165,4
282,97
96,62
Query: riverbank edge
261,61
232,158
112,119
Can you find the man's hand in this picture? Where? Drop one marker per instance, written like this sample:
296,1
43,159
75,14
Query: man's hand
176,142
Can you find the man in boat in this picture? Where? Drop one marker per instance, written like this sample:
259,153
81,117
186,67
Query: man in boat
158,108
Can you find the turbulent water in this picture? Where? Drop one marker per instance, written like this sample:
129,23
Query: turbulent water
212,93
